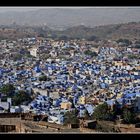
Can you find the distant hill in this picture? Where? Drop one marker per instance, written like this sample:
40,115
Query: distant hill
129,30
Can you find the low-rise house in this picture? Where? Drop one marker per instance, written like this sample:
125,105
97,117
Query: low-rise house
25,109
34,51
15,109
58,119
89,108
66,105
6,105
82,100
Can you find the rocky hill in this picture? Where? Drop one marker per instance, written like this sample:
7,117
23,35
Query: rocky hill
129,30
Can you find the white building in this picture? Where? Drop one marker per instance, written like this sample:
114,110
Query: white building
34,52
15,109
5,105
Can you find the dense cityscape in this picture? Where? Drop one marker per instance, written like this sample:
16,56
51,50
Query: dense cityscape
69,85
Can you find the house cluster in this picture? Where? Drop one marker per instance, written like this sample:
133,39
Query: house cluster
81,83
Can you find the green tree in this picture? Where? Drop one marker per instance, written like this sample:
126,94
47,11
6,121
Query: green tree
105,127
125,41
8,90
17,57
43,78
133,56
102,112
28,55
90,53
21,97
71,117
128,116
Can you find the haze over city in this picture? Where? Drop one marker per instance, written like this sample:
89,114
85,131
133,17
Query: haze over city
68,16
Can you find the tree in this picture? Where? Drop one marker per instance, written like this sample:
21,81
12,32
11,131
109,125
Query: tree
71,117
90,53
125,41
17,57
102,112
128,116
105,127
8,90
21,97
43,78
133,56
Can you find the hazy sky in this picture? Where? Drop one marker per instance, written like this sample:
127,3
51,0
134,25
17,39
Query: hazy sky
66,16
21,9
